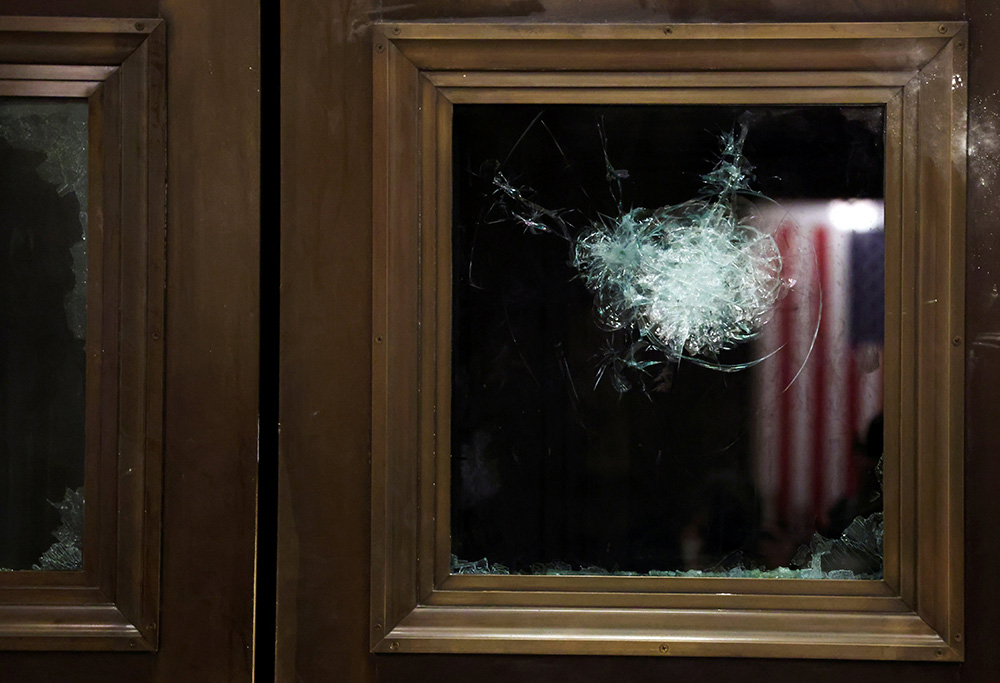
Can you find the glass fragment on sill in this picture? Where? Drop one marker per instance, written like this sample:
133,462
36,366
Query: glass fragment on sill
66,553
481,566
856,554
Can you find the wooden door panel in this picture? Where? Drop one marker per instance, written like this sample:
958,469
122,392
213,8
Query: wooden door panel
453,669
982,431
324,531
211,359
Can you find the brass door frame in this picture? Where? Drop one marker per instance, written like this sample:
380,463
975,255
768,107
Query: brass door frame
420,70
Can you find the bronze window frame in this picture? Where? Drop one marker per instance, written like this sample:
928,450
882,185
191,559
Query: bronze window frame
118,66
917,71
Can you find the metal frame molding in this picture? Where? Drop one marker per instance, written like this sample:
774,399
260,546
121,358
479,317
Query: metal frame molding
118,66
917,71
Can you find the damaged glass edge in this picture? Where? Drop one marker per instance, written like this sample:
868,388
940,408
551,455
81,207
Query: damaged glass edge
66,552
60,133
684,283
821,558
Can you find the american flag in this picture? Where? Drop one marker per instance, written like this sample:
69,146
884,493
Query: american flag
815,398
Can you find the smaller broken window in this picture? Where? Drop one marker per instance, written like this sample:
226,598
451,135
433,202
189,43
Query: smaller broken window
43,314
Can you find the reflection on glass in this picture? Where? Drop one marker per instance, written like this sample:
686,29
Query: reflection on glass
43,283
667,340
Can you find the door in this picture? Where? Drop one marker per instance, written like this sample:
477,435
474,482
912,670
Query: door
324,527
210,344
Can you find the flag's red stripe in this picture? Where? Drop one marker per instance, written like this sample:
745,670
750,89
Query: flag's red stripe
881,382
819,360
853,388
785,374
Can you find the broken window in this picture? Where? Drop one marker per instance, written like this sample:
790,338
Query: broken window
667,340
43,320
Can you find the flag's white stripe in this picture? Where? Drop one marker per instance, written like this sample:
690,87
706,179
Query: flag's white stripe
803,314
836,310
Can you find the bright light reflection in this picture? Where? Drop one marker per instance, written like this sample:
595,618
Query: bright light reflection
856,215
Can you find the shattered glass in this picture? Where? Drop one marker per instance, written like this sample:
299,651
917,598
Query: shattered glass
43,314
667,340
66,552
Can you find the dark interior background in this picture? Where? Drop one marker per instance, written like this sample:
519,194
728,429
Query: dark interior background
546,466
41,357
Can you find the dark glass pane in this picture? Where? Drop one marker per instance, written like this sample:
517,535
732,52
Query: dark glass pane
667,350
43,313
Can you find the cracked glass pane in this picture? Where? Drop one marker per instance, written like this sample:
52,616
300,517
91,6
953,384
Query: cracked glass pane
667,340
43,313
